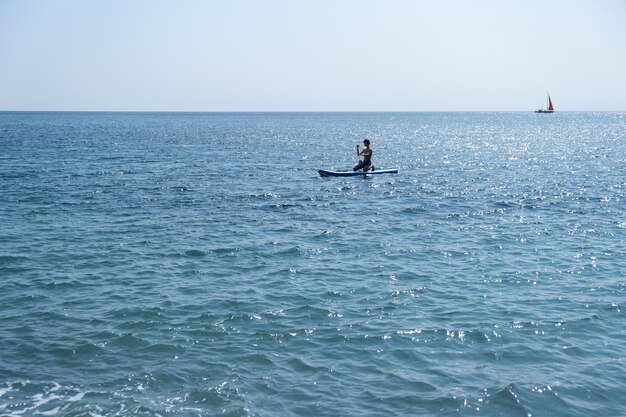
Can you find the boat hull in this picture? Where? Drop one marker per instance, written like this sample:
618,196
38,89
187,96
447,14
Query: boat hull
325,173
549,108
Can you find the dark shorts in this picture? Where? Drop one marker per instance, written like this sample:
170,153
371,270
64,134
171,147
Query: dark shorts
362,164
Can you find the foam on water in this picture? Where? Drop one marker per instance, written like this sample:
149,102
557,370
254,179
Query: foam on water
196,264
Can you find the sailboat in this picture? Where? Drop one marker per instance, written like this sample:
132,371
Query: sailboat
550,108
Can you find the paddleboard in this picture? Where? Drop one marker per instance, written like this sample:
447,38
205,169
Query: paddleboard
325,173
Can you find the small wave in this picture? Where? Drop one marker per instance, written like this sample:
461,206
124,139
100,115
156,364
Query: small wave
415,210
182,189
288,251
461,336
88,349
128,340
138,314
282,206
164,348
224,396
227,251
514,399
11,259
300,364
309,312
29,398
195,253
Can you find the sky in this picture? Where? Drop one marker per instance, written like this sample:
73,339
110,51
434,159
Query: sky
312,55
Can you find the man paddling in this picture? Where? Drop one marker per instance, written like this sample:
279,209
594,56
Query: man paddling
366,163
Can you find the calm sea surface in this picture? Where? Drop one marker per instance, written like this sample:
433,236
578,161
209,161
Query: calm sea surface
196,264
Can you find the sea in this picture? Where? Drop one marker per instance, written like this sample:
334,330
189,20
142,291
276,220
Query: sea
196,264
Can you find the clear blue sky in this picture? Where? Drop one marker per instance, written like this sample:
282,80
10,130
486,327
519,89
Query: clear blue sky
312,55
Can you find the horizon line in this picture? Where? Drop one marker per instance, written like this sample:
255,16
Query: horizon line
302,111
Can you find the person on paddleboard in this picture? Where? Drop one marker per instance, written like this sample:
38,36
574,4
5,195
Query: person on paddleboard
366,163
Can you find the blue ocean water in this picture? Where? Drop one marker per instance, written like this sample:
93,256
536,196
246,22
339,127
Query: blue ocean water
193,264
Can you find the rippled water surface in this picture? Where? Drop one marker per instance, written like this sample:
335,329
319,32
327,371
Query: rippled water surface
196,264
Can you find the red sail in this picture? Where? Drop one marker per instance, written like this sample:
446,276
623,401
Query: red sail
550,107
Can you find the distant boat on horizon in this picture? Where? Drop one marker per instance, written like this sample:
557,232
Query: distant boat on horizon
550,108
